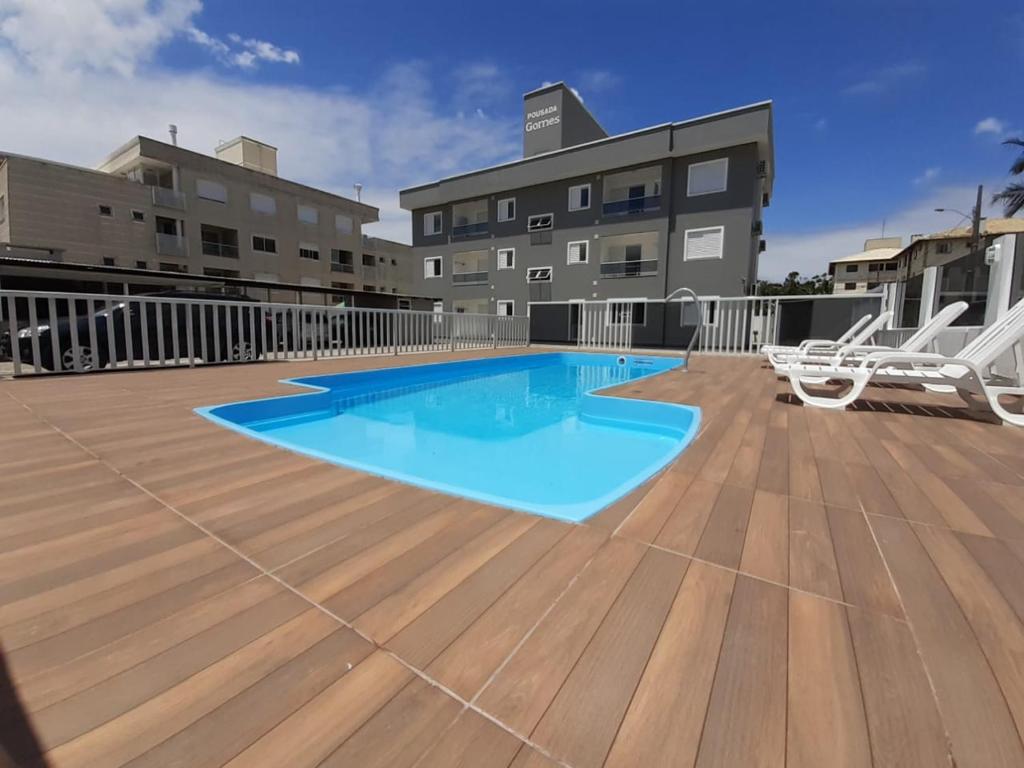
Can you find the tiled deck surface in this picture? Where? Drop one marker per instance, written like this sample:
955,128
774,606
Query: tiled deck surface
801,588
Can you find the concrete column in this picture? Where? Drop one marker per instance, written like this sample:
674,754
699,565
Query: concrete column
929,295
1000,278
889,303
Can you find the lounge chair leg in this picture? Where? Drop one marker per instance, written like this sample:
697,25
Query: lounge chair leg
992,395
826,402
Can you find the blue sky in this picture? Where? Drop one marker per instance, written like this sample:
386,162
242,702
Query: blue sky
882,110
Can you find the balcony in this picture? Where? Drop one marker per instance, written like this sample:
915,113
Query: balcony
469,278
470,230
224,250
336,267
168,198
171,245
634,268
632,205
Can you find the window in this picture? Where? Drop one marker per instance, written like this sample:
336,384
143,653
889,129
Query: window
138,216
211,190
369,288
168,267
261,203
141,265
704,243
577,252
432,223
506,307
341,261
308,214
470,267
540,221
538,275
264,244
368,260
507,209
626,311
382,260
432,267
506,258
215,272
394,262
891,266
707,178
309,251
850,286
343,223
343,286
108,261
106,210
405,303
579,197
851,268
3,209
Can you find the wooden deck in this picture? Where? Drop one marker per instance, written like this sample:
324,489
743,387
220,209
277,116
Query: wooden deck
800,588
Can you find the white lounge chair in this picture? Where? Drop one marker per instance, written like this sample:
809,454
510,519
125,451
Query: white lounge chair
851,354
966,373
846,338
822,350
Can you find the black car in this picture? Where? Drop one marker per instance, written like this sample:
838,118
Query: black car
231,333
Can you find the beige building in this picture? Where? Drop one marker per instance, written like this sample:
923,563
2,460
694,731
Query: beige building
156,206
861,272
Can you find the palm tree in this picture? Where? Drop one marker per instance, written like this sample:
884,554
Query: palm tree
1012,197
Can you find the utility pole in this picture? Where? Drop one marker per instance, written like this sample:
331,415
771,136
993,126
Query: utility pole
975,242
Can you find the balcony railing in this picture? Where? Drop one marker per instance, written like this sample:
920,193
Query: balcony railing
220,249
643,268
469,278
171,245
336,267
632,205
168,198
470,230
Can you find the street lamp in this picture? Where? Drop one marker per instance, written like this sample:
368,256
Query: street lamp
953,210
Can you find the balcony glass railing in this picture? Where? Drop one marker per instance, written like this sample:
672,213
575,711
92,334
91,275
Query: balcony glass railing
634,268
468,278
470,230
168,198
336,267
220,249
632,205
171,245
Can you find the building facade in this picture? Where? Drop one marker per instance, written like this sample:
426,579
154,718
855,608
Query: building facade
157,206
868,270
585,215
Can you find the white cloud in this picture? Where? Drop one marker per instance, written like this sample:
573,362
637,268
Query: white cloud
243,53
929,175
391,133
820,124
990,125
598,80
887,78
810,252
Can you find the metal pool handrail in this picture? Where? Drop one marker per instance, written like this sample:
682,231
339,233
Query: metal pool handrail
700,315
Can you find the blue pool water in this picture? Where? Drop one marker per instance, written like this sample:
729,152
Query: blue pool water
523,432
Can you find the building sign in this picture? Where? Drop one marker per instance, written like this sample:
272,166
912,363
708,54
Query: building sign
545,117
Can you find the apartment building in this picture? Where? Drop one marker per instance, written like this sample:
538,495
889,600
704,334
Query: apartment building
942,268
868,270
156,206
585,215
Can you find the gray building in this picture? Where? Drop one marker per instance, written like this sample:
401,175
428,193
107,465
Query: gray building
584,215
157,206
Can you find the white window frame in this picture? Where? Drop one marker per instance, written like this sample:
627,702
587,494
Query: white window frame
574,188
550,278
725,177
549,227
440,267
506,302
429,217
586,252
512,264
686,243
507,200
303,206
624,300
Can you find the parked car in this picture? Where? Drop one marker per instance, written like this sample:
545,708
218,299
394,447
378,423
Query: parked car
146,321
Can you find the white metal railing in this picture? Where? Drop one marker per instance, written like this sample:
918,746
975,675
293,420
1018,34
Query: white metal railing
738,325
605,325
68,332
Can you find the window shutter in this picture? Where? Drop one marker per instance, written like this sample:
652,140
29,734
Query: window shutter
705,178
704,243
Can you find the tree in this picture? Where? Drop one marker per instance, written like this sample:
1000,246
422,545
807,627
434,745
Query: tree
794,285
1012,197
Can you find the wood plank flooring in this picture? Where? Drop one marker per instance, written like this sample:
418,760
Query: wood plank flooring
800,588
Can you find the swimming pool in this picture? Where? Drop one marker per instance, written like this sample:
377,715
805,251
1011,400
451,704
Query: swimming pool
524,431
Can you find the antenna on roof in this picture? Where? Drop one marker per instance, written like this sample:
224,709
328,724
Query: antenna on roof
883,227
359,191
173,130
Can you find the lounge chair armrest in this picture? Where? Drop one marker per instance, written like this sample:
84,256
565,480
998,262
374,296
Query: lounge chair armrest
818,348
858,349
816,342
914,358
